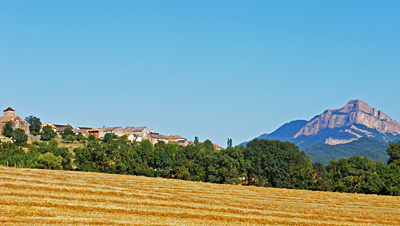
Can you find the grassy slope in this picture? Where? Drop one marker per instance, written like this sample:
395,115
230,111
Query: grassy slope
42,197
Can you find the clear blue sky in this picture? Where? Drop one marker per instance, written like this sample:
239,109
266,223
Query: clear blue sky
212,69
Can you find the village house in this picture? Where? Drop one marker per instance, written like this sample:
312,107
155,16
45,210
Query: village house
217,147
94,132
80,129
53,127
59,129
83,130
177,139
137,133
119,131
154,138
18,122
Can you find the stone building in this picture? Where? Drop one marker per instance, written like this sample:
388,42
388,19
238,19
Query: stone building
154,138
140,133
19,123
119,131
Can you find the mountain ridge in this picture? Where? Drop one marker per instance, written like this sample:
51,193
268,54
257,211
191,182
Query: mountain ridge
353,121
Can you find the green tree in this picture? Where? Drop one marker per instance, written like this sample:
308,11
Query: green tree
349,175
390,175
68,131
393,150
8,129
70,138
196,140
229,143
223,168
48,133
80,137
49,161
109,137
91,137
19,137
207,144
34,123
277,164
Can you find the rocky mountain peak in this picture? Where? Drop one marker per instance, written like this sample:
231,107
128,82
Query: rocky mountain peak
353,121
356,105
354,112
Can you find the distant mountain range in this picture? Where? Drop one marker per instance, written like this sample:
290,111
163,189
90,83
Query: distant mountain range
338,127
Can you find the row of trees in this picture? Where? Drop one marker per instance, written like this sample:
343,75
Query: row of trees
261,163
43,155
265,163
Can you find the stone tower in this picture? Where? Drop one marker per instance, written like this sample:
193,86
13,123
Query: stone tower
9,112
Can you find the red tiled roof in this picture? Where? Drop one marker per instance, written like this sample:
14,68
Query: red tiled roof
216,146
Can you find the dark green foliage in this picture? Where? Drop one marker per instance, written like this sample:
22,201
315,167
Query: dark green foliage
48,133
276,164
8,129
12,155
318,177
229,142
390,176
70,138
223,169
91,137
59,152
393,151
19,137
348,175
109,137
87,158
207,144
80,137
34,123
68,131
196,140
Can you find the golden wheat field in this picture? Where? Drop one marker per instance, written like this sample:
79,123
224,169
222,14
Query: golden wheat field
44,197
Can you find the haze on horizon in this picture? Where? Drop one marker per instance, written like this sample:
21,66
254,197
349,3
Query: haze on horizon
216,70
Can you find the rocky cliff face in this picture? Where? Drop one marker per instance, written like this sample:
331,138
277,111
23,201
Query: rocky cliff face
339,126
354,112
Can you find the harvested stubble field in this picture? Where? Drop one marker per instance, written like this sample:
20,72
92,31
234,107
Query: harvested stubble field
43,197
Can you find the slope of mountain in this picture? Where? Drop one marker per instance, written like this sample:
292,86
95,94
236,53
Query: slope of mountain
283,133
339,126
367,147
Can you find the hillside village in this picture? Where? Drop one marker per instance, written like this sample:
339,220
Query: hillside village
132,133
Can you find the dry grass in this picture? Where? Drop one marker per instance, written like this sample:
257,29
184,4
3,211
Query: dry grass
42,197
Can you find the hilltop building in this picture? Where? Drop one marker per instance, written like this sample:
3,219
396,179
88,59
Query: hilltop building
53,127
177,139
154,138
83,130
19,123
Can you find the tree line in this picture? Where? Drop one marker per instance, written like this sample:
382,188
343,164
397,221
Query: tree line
266,163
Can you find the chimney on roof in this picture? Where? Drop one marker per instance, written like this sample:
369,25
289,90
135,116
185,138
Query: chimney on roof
9,112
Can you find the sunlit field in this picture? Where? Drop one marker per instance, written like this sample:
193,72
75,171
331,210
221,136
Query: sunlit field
43,197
